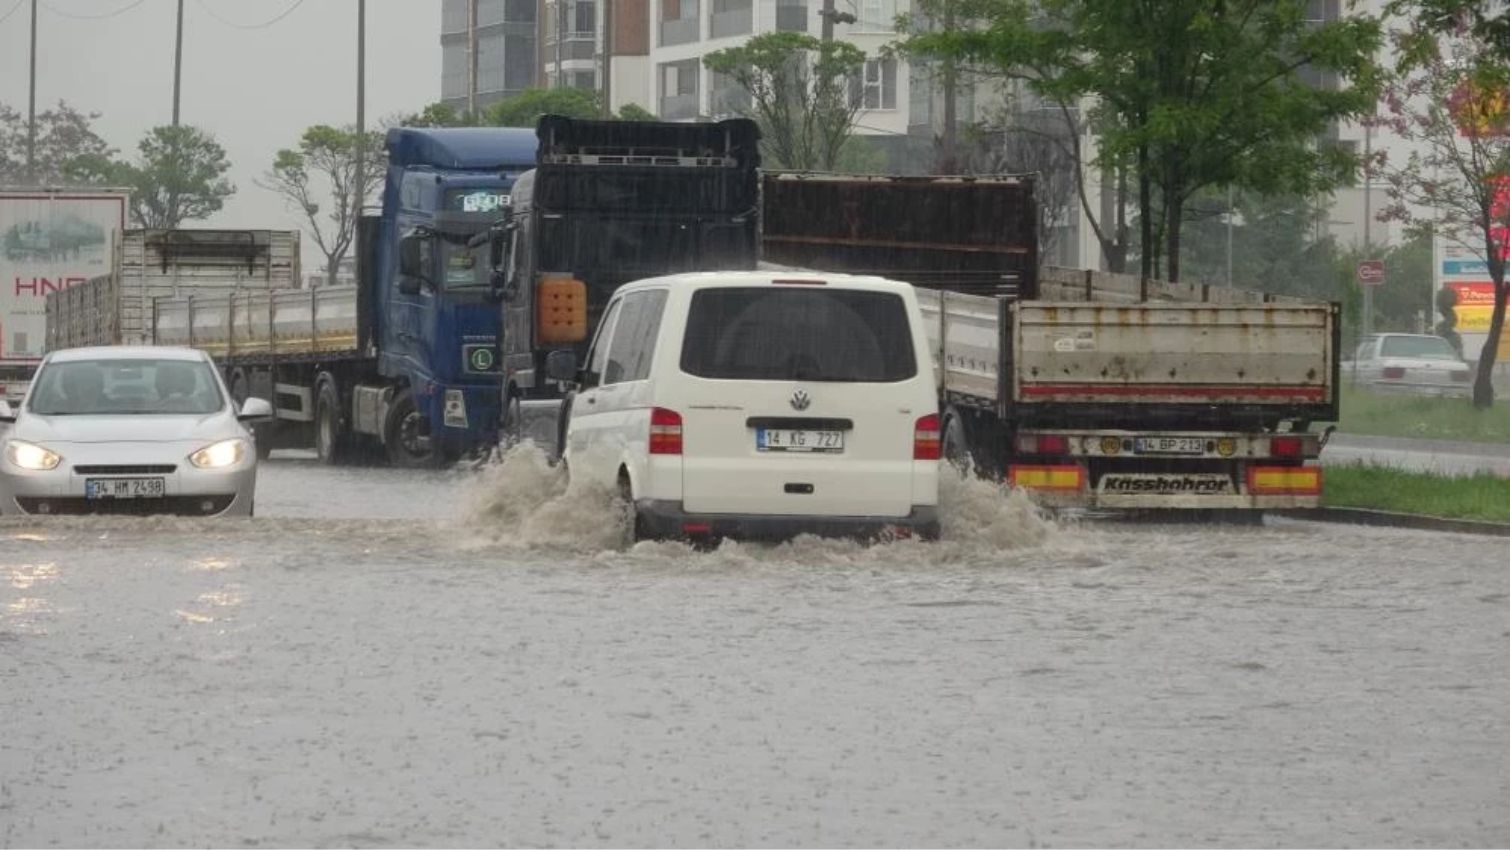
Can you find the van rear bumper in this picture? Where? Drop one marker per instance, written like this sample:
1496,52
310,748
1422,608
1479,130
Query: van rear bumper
665,519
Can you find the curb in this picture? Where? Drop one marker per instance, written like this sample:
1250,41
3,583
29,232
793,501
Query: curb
1347,440
1367,516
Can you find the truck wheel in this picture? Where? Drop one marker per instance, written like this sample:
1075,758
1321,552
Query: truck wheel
957,447
511,429
406,435
332,443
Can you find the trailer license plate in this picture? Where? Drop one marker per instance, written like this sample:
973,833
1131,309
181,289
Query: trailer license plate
798,440
1169,445
124,488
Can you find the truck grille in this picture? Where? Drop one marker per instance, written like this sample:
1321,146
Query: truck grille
124,469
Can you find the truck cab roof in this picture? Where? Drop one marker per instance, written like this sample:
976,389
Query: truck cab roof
476,148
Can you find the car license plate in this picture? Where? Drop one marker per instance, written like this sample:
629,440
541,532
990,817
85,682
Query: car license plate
124,488
1170,445
798,440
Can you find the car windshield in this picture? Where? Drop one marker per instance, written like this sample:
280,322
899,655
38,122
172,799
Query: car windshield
134,386
463,267
804,333
1425,347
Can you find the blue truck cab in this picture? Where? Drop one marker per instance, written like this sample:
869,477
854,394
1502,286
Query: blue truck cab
434,315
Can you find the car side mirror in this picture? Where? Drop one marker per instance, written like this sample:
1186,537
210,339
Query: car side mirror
7,413
561,365
254,409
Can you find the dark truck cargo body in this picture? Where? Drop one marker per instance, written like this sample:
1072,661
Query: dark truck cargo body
967,234
1094,390
610,202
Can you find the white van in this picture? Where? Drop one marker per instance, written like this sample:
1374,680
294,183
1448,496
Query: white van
760,405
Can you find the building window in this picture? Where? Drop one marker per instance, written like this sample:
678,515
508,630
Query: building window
453,16
584,80
732,17
877,16
453,68
679,90
727,97
679,24
791,15
584,20
519,66
876,85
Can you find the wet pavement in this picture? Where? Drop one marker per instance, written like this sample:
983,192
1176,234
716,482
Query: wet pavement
460,658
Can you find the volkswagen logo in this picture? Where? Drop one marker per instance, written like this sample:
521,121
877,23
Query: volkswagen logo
800,400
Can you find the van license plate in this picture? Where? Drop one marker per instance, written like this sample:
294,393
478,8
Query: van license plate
124,488
1170,445
798,440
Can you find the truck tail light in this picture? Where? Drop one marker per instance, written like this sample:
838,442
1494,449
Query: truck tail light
1284,480
926,438
665,432
1031,477
1285,446
1394,373
1043,444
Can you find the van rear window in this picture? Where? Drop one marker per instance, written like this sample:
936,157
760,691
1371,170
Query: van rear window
777,333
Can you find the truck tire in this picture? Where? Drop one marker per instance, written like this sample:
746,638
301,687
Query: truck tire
957,446
405,435
332,439
511,429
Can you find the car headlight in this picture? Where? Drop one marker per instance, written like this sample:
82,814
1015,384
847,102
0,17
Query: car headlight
31,456
218,455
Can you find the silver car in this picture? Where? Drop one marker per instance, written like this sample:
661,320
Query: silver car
129,430
1420,364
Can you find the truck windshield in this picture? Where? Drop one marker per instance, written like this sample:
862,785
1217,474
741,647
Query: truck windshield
806,334
131,386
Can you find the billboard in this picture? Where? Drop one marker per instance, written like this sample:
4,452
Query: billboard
49,241
1466,274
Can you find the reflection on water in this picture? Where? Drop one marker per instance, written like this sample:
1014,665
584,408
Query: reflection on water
191,617
24,576
221,598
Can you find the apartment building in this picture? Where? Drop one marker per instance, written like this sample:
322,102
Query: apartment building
489,50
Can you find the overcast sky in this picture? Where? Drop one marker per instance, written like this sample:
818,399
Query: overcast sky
254,87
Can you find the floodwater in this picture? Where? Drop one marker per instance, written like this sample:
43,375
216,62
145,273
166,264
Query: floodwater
472,658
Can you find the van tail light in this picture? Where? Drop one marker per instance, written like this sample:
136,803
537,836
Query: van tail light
1285,446
1284,480
1394,373
1068,477
1043,444
665,432
926,443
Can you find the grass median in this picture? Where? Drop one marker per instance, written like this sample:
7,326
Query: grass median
1422,417
1480,497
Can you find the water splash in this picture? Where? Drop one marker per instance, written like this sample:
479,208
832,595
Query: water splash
524,502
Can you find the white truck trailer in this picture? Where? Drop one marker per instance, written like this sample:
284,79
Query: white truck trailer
50,240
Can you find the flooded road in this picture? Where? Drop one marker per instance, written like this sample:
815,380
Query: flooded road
390,658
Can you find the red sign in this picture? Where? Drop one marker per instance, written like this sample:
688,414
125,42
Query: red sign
1371,272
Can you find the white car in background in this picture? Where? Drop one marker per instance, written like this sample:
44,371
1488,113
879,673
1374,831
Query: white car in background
758,405
1421,364
135,430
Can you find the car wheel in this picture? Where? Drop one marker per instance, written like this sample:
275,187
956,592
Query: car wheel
634,527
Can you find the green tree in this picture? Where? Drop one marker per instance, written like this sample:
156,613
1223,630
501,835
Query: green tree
635,112
438,114
178,176
800,94
63,135
1187,94
1451,105
525,108
324,165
